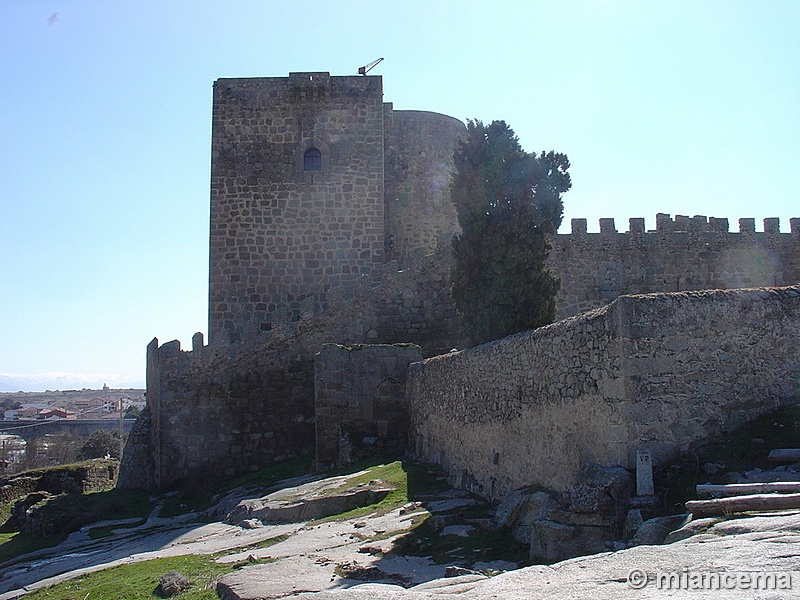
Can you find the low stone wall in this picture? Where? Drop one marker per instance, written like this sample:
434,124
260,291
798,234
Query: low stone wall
655,372
92,476
360,400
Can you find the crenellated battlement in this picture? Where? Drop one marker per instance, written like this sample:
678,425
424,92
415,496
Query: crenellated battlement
682,223
684,253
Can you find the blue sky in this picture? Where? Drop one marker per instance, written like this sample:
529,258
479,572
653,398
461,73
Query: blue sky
105,116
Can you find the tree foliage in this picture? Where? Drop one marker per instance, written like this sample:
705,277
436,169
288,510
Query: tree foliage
101,443
508,202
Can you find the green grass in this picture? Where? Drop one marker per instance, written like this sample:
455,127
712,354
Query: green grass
14,544
200,496
139,580
69,512
106,530
394,474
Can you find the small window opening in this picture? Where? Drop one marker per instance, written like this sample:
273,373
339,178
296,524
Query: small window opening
266,327
312,160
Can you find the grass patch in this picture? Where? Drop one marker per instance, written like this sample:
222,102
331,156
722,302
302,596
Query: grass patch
70,512
481,545
66,513
198,496
14,544
412,480
139,580
394,474
106,530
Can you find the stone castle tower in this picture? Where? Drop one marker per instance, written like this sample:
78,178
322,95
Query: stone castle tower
315,184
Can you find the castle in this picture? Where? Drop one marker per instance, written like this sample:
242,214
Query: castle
330,224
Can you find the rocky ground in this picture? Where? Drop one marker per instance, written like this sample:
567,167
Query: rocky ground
360,557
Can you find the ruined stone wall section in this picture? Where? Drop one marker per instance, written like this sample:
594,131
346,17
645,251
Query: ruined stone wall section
360,401
419,164
687,253
656,372
282,235
215,413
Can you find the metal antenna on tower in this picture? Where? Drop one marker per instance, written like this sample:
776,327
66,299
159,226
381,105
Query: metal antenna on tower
367,68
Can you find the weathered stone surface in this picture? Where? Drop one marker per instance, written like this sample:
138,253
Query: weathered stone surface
763,545
657,372
172,583
520,508
655,531
633,520
313,500
552,542
603,491
360,391
538,506
689,528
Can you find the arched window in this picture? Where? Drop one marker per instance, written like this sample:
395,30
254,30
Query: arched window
312,160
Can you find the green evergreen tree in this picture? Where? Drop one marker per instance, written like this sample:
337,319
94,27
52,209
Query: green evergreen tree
99,444
508,202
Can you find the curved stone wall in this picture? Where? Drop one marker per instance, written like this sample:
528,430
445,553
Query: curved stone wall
419,163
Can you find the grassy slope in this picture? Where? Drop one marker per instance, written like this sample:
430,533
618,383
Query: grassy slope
413,481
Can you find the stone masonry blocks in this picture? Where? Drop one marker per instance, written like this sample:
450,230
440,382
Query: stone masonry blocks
656,372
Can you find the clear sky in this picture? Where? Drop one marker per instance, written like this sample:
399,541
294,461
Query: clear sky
683,107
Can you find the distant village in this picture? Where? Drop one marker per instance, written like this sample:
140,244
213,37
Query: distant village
72,404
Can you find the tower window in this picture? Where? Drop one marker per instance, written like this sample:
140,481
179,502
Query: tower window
312,160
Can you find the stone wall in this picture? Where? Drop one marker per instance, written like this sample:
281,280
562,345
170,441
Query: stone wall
282,232
419,162
360,405
217,413
137,470
655,372
221,410
91,476
696,253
